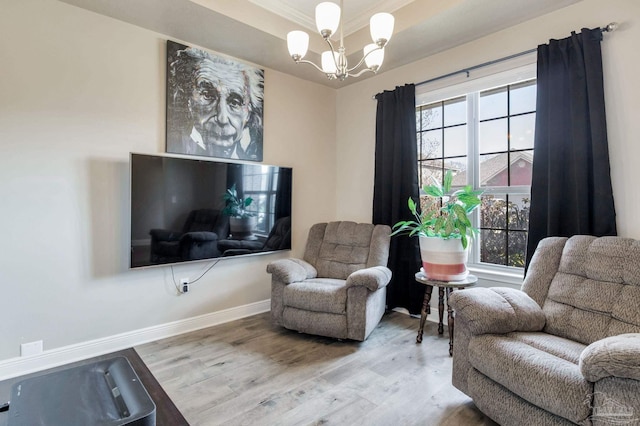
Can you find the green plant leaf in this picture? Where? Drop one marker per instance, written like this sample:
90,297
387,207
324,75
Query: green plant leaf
468,196
448,180
464,229
437,226
433,191
412,206
449,227
404,227
461,215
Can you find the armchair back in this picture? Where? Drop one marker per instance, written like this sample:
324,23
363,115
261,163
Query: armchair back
588,287
280,236
337,249
208,220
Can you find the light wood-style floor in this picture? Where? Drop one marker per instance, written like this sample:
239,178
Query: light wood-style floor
249,372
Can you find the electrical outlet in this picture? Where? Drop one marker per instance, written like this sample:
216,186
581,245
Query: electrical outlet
184,285
31,348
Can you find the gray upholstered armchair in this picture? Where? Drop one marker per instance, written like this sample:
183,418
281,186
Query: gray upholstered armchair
565,349
339,288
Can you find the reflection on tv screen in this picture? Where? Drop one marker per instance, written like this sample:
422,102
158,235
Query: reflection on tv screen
185,210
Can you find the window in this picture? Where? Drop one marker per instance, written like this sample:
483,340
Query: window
261,183
483,131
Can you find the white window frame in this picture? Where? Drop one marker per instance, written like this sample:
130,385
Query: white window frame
270,176
508,72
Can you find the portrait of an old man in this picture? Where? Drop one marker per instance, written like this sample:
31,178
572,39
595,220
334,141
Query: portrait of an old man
214,105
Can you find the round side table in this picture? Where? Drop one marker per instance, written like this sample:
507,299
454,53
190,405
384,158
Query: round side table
444,288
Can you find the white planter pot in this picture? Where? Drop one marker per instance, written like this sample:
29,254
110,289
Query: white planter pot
443,260
242,228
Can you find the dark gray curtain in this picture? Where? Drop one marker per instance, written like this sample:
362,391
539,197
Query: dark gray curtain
396,179
284,190
234,176
571,190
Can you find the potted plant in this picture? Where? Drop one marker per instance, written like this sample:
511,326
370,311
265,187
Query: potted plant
241,221
445,231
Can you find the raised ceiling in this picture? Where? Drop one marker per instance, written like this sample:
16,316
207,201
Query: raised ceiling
355,13
256,30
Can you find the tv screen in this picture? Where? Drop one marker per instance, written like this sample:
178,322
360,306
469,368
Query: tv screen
184,210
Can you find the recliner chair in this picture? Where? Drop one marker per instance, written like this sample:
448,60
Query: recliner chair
338,289
198,240
564,350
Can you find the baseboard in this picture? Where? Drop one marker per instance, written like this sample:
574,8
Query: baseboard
19,366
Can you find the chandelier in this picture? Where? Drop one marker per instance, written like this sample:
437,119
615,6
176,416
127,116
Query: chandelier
334,62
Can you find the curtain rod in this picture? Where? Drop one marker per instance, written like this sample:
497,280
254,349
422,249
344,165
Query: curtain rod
607,28
475,67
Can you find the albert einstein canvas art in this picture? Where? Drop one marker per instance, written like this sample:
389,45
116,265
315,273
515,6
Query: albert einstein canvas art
214,105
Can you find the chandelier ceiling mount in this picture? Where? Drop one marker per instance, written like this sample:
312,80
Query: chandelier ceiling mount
334,62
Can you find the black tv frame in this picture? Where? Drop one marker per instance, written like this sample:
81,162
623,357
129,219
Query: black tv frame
166,190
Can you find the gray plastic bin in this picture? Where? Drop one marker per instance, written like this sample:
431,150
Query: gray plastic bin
105,393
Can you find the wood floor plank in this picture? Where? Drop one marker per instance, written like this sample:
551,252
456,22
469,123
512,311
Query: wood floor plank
274,407
250,372
323,406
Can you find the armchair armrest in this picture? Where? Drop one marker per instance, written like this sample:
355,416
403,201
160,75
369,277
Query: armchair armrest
291,270
497,310
617,356
372,278
199,236
165,235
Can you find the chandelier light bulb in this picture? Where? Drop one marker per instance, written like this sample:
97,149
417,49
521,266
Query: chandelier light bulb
297,43
327,18
381,27
373,56
329,62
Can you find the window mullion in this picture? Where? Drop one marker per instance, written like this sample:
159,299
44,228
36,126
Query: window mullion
473,162
442,167
506,231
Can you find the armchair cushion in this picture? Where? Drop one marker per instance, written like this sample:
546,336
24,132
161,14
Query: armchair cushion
291,270
372,278
520,362
317,295
199,236
497,310
617,356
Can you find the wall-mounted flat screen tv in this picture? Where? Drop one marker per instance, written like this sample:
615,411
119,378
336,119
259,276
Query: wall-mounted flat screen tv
185,210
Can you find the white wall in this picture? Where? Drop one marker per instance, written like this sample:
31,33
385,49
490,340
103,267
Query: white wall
78,92
356,110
